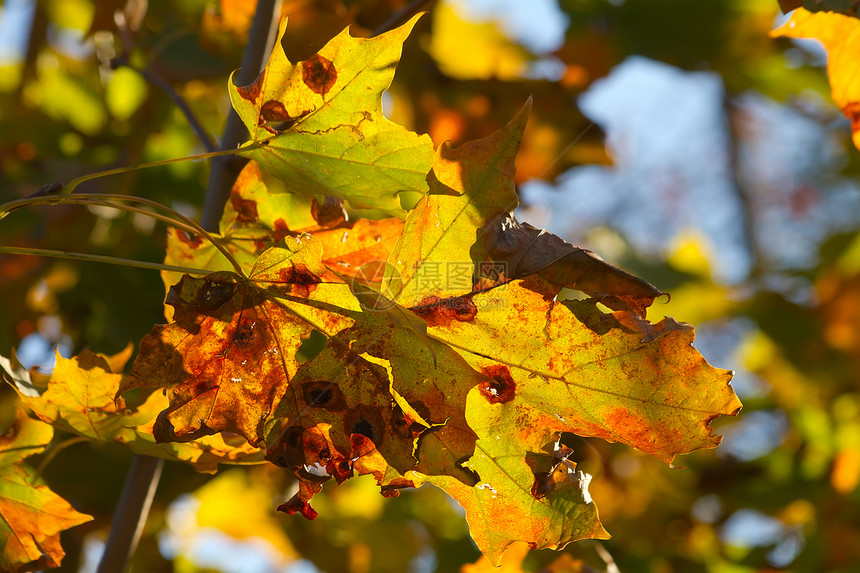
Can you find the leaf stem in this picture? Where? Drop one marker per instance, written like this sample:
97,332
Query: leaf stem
102,259
52,453
176,218
71,185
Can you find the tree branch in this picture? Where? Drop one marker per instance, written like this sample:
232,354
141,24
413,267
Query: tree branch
145,472
131,513
225,169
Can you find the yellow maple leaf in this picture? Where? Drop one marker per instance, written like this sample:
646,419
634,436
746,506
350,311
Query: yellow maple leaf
841,38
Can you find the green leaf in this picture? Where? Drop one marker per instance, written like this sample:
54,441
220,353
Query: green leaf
321,125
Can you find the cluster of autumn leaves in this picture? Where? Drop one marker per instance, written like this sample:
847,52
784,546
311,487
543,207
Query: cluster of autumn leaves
469,386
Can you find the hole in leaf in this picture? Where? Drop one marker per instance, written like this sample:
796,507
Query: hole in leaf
364,428
311,346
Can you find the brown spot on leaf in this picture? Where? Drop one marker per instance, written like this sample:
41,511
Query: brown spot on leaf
296,505
246,209
500,387
442,311
301,281
208,298
364,428
367,422
319,74
246,335
192,241
251,92
273,111
541,485
281,230
322,394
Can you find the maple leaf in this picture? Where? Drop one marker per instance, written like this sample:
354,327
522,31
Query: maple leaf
227,359
31,515
841,38
466,383
80,398
548,366
322,124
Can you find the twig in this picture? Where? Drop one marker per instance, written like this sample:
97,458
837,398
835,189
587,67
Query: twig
127,40
747,210
225,169
611,567
132,511
155,79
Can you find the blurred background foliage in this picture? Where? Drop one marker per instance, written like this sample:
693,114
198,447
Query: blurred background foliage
675,138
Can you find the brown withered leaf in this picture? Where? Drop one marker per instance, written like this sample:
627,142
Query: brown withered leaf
524,250
228,357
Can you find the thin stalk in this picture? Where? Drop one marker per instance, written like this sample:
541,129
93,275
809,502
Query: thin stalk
155,79
82,199
53,453
611,567
68,255
71,185
176,218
